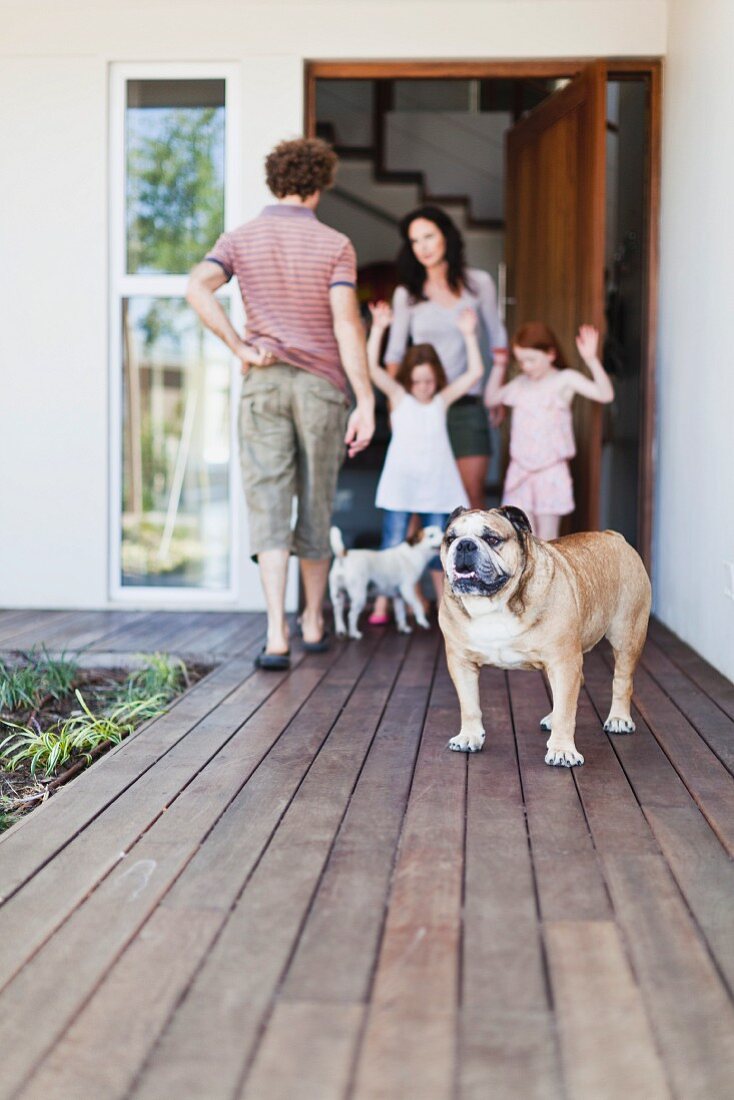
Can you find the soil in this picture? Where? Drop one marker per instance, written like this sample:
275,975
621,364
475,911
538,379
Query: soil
20,791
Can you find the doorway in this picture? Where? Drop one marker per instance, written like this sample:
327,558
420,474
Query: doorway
464,136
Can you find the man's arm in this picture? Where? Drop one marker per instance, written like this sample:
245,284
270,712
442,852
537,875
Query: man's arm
349,333
204,281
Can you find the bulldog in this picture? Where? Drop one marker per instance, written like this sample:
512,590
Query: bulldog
393,572
513,601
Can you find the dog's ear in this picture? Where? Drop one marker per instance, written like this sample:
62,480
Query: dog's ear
517,518
415,538
456,512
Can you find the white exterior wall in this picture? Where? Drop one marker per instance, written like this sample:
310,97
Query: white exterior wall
694,522
54,78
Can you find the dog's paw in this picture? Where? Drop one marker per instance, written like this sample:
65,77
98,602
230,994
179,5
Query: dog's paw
467,742
563,758
545,723
356,635
405,629
340,632
619,725
423,623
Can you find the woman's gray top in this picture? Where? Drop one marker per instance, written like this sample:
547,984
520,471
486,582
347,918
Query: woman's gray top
429,323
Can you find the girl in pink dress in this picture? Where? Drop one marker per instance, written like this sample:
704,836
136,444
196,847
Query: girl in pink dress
538,479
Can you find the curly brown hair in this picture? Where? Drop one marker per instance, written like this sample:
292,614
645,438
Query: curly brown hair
300,167
420,355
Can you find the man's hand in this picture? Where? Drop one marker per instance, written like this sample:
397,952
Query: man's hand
250,356
360,427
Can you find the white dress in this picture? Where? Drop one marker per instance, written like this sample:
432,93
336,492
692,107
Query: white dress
420,472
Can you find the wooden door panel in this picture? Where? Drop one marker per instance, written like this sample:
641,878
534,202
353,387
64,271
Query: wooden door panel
555,242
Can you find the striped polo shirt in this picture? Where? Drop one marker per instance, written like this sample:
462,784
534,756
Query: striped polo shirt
285,262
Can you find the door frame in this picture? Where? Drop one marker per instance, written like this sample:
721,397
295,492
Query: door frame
651,69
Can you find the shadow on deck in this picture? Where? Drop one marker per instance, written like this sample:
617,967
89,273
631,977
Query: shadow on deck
286,887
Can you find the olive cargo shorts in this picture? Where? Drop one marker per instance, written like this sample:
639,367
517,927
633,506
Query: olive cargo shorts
291,428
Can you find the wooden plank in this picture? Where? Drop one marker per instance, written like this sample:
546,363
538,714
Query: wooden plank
704,874
507,1041
612,811
162,959
409,1046
90,629
653,777
691,1014
570,884
712,724
38,629
207,1044
335,957
81,1068
702,772
700,866
306,1052
21,620
608,1048
707,678
231,641
97,932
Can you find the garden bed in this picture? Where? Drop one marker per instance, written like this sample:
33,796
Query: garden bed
57,717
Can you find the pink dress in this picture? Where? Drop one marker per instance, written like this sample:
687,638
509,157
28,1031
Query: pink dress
538,479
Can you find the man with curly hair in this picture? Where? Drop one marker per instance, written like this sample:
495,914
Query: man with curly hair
303,342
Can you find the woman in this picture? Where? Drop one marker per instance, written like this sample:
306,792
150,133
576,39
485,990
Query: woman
435,287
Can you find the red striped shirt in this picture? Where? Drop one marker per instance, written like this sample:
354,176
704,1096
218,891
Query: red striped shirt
285,262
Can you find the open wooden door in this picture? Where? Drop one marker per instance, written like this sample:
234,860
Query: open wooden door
555,242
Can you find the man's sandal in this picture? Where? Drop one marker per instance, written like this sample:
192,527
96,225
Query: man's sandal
273,662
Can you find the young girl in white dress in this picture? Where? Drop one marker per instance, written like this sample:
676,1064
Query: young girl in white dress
420,475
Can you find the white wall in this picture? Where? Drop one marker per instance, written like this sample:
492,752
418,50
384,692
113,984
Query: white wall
54,65
694,525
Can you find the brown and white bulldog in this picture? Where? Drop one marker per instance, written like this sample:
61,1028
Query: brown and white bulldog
513,601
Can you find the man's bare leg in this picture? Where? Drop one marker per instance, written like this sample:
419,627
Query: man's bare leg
273,566
314,574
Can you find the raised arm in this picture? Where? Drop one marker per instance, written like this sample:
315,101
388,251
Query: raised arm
399,331
474,363
204,281
381,319
349,333
498,392
599,387
489,312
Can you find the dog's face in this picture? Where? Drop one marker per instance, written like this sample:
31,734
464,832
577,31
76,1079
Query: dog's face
482,552
430,538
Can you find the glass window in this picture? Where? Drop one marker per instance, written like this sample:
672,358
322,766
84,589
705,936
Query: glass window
174,523
176,450
174,167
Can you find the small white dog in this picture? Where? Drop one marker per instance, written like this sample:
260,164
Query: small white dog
392,572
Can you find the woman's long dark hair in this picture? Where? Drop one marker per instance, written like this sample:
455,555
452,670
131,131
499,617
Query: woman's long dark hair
412,273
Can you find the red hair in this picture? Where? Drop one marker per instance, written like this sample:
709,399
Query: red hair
539,337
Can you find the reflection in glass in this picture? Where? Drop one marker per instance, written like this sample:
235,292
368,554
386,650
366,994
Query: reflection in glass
174,189
176,445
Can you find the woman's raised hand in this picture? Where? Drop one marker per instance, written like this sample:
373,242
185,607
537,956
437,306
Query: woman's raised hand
467,321
587,342
381,315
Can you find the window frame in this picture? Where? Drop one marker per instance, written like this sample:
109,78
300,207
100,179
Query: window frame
123,285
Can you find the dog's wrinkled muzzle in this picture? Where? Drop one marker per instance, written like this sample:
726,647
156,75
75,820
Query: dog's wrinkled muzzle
471,570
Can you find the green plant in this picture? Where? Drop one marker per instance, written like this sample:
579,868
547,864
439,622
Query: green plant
161,675
144,695
36,677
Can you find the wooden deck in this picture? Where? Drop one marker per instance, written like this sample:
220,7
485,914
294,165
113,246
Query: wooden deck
286,888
